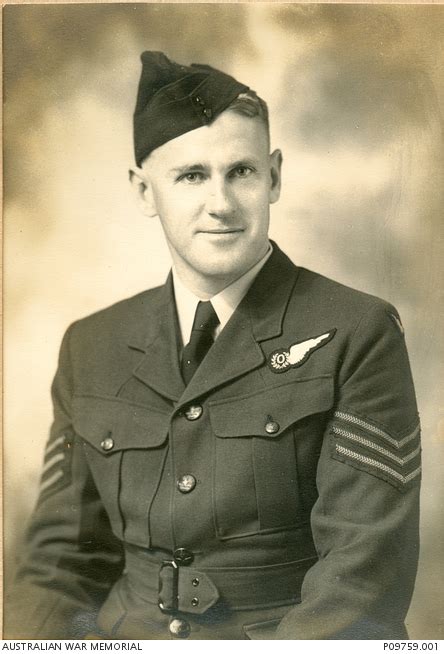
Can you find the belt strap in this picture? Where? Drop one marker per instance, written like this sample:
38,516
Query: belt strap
185,589
194,590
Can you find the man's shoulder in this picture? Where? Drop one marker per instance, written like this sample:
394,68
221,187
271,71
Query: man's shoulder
327,288
322,295
122,315
318,293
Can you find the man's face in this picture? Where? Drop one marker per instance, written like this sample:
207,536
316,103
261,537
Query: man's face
211,189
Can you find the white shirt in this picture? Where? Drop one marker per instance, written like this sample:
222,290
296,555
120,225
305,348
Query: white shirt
224,303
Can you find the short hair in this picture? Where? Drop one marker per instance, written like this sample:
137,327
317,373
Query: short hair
251,105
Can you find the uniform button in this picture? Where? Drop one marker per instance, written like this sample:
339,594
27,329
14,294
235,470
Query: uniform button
198,99
207,112
272,427
186,483
193,412
195,581
183,556
179,628
195,601
107,444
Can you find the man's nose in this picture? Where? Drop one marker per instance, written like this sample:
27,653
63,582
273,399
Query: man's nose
219,200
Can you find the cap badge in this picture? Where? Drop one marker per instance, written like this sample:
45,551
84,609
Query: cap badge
298,353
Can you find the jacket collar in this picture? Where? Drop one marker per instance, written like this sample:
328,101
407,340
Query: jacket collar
236,351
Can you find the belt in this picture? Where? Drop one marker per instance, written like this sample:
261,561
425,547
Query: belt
176,586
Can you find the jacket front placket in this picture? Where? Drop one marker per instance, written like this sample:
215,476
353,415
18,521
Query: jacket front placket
180,515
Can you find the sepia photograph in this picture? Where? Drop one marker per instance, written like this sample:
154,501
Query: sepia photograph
223,317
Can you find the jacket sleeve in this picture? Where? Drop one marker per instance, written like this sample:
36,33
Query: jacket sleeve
365,520
70,558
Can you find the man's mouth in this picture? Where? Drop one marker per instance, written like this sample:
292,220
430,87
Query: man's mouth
222,232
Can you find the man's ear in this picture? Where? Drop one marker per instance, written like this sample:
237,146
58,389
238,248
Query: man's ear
143,190
275,173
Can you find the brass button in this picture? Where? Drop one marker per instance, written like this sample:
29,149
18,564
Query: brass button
195,581
272,427
193,412
195,601
179,628
107,444
186,483
207,112
183,556
198,99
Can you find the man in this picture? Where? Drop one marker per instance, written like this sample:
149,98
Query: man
235,454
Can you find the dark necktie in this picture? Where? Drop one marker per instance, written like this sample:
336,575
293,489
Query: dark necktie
205,322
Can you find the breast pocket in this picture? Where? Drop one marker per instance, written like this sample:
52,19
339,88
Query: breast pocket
125,445
257,480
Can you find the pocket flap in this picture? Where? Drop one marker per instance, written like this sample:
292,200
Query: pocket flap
126,426
270,411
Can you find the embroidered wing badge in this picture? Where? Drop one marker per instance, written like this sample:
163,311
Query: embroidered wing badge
298,353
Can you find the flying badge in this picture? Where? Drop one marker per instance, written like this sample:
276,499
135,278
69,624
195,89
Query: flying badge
298,353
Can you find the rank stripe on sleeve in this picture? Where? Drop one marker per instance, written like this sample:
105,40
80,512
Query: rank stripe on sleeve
51,480
52,461
54,445
367,426
56,472
404,479
368,447
400,460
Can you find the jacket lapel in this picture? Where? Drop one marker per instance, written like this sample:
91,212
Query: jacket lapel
159,368
259,317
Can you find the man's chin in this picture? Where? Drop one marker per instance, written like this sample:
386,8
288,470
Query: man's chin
214,266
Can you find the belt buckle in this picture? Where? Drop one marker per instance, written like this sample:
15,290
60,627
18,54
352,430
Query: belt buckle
168,601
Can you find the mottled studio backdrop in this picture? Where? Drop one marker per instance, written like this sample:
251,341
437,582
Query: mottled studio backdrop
356,96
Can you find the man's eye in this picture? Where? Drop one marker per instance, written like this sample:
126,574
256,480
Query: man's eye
242,171
192,178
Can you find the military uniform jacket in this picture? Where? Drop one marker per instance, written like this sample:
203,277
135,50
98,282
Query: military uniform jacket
276,496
